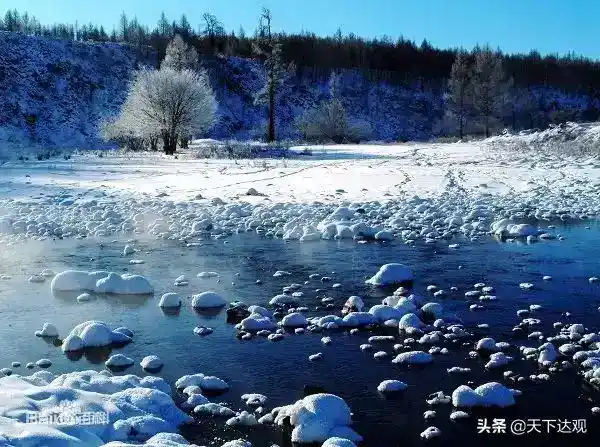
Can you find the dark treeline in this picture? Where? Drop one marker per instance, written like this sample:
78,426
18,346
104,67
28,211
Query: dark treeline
395,61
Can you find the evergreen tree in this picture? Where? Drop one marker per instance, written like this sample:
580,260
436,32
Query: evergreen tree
489,86
459,99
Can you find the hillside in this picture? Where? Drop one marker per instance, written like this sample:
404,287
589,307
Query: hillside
54,93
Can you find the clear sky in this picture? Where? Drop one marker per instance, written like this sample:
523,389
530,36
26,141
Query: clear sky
550,26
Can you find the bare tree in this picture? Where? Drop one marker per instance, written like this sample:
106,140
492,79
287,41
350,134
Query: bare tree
212,29
170,104
489,86
269,48
459,99
180,56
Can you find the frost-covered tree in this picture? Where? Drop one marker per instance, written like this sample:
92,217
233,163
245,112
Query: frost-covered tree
329,121
268,47
180,56
170,104
459,98
489,86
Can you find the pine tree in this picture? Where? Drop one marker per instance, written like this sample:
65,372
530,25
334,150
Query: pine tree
489,86
459,100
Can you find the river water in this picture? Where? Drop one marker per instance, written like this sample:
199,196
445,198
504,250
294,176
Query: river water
280,370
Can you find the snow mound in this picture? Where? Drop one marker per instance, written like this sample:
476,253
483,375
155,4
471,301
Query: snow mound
413,358
389,274
338,442
48,330
294,320
492,394
208,300
151,362
257,322
391,386
208,383
317,418
100,282
91,334
128,408
119,361
214,410
170,300
243,418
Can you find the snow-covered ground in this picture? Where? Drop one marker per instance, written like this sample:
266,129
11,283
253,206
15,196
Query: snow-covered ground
332,174
409,192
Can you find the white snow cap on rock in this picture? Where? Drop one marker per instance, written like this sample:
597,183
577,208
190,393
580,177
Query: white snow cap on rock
92,334
101,282
317,418
389,274
151,362
170,300
338,442
207,300
391,386
294,320
119,360
137,409
413,358
48,330
491,394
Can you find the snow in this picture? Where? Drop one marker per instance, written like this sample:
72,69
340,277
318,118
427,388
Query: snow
208,383
92,334
257,322
119,361
136,408
101,282
254,399
208,300
151,362
170,300
338,442
491,394
389,274
237,443
214,410
413,358
48,330
391,386
243,418
431,432
318,417
294,320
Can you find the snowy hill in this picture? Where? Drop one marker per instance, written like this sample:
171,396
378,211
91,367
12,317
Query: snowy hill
54,94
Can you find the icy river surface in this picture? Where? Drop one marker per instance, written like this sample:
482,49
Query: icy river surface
281,370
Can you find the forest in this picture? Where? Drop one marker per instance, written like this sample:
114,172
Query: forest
395,61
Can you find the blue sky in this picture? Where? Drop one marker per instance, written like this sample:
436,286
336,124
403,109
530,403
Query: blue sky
550,26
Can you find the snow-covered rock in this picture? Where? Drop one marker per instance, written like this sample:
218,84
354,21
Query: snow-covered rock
170,300
317,418
48,330
208,300
391,386
390,274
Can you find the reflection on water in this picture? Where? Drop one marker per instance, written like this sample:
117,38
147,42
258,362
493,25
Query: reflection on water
281,370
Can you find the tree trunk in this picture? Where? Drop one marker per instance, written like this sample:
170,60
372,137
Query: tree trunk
184,142
169,143
271,133
154,144
460,127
